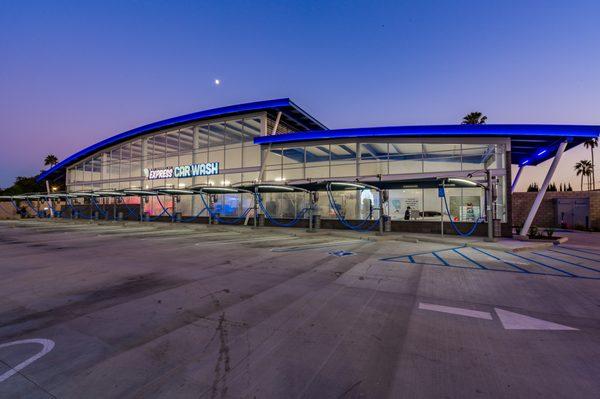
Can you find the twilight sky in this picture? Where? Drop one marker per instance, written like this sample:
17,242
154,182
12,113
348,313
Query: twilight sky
73,73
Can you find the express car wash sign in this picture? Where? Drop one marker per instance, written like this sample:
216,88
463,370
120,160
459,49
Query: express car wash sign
180,172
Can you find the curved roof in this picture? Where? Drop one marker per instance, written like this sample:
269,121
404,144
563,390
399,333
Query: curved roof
291,114
530,144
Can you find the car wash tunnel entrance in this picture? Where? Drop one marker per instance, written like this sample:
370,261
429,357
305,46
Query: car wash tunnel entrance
325,204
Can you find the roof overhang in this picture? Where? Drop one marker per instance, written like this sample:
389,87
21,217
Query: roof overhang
292,115
530,144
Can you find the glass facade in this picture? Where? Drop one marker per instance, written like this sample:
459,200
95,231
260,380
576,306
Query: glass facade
229,142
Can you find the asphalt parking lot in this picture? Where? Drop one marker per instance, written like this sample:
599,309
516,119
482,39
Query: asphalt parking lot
170,311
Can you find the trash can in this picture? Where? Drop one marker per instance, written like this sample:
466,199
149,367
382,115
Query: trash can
178,216
316,222
497,228
146,217
387,224
96,215
119,215
261,220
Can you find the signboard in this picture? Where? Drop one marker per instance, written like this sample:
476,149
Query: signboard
180,172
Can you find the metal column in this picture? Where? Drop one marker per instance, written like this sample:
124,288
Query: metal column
514,185
540,194
489,206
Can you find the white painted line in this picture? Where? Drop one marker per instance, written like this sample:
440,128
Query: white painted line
320,245
249,240
47,347
458,311
516,321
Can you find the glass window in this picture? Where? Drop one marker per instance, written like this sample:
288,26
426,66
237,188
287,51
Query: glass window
202,136
405,158
474,156
317,161
186,140
343,160
216,135
406,204
233,133
251,155
172,143
373,159
441,157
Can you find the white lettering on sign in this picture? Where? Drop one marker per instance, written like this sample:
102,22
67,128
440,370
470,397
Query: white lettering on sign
197,169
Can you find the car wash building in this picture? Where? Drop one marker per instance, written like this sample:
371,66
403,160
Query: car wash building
212,165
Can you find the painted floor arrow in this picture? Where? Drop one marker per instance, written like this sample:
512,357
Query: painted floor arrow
516,321
509,320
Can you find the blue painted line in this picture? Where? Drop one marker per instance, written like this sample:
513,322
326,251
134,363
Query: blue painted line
441,259
567,262
501,260
575,256
545,265
420,253
411,259
397,260
470,260
581,250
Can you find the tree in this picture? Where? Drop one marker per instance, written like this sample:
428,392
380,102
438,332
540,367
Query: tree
591,144
551,187
583,168
533,188
474,118
569,188
50,160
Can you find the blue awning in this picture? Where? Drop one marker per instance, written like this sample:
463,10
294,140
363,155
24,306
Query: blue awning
530,144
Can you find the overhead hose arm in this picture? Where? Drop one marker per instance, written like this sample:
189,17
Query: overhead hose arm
293,222
455,227
215,215
343,221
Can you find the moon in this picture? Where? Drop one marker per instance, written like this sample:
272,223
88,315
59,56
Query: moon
217,82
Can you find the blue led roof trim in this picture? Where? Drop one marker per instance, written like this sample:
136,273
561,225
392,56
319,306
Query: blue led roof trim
528,141
288,108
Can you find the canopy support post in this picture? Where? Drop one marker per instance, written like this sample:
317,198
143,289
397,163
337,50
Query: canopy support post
50,199
142,208
514,185
381,215
489,206
540,195
255,207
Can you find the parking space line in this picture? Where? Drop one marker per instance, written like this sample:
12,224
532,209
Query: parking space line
501,260
441,259
567,262
470,260
545,265
316,246
574,256
580,250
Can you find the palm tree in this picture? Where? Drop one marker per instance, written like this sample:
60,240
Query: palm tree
50,160
474,118
591,144
584,168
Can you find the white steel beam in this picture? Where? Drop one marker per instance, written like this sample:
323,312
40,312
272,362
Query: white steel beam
514,185
542,192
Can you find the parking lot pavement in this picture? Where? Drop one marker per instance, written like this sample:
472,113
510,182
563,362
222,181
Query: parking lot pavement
163,310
